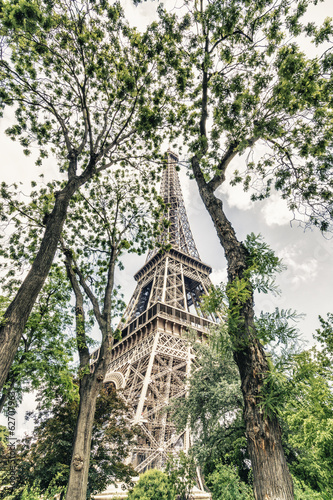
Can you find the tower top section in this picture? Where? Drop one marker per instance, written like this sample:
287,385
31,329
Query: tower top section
178,233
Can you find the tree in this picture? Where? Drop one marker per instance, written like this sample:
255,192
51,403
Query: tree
212,408
181,472
85,89
43,459
152,485
46,348
113,215
225,484
243,85
308,414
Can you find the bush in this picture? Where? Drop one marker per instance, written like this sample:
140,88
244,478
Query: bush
304,492
152,485
225,484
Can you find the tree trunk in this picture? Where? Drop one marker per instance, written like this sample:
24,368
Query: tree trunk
272,480
78,475
89,389
6,394
271,477
18,312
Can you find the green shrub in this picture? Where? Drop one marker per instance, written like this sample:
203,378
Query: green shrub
152,485
225,484
304,492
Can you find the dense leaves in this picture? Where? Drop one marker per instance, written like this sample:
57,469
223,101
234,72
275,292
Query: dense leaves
262,95
308,413
80,78
299,389
213,408
45,353
181,472
152,485
225,484
43,459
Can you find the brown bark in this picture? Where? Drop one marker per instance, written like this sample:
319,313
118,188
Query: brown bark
78,475
18,312
90,382
89,389
6,394
272,480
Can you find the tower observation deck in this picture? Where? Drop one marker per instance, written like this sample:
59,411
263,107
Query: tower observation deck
151,361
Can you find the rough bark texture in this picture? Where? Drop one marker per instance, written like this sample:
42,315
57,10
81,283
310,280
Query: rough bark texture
78,476
4,397
18,312
272,480
89,389
90,382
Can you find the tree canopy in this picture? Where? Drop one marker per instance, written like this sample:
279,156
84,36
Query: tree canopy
87,89
45,355
43,459
302,395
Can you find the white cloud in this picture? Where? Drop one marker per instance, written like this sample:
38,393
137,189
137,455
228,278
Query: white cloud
235,195
140,15
276,211
300,270
219,276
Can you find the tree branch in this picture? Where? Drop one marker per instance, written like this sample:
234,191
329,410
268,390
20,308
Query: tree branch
228,156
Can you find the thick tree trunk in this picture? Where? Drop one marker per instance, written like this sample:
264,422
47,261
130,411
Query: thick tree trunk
78,476
89,389
18,312
272,480
5,395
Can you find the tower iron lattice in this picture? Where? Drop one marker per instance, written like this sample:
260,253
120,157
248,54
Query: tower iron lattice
153,358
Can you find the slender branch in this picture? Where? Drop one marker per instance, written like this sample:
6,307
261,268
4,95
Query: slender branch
228,156
108,290
79,310
284,151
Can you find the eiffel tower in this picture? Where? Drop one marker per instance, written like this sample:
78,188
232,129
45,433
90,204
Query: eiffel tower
153,358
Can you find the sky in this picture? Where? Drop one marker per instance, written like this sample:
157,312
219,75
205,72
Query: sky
306,285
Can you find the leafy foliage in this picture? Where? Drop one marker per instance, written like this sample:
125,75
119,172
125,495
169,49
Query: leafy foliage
262,265
47,345
297,387
246,72
43,459
81,80
212,407
225,484
152,485
308,414
181,472
114,214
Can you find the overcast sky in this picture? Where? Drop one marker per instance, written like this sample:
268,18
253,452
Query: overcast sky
306,286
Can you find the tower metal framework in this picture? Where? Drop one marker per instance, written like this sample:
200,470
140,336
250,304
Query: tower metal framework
153,358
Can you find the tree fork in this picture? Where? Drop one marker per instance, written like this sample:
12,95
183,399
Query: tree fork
272,479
